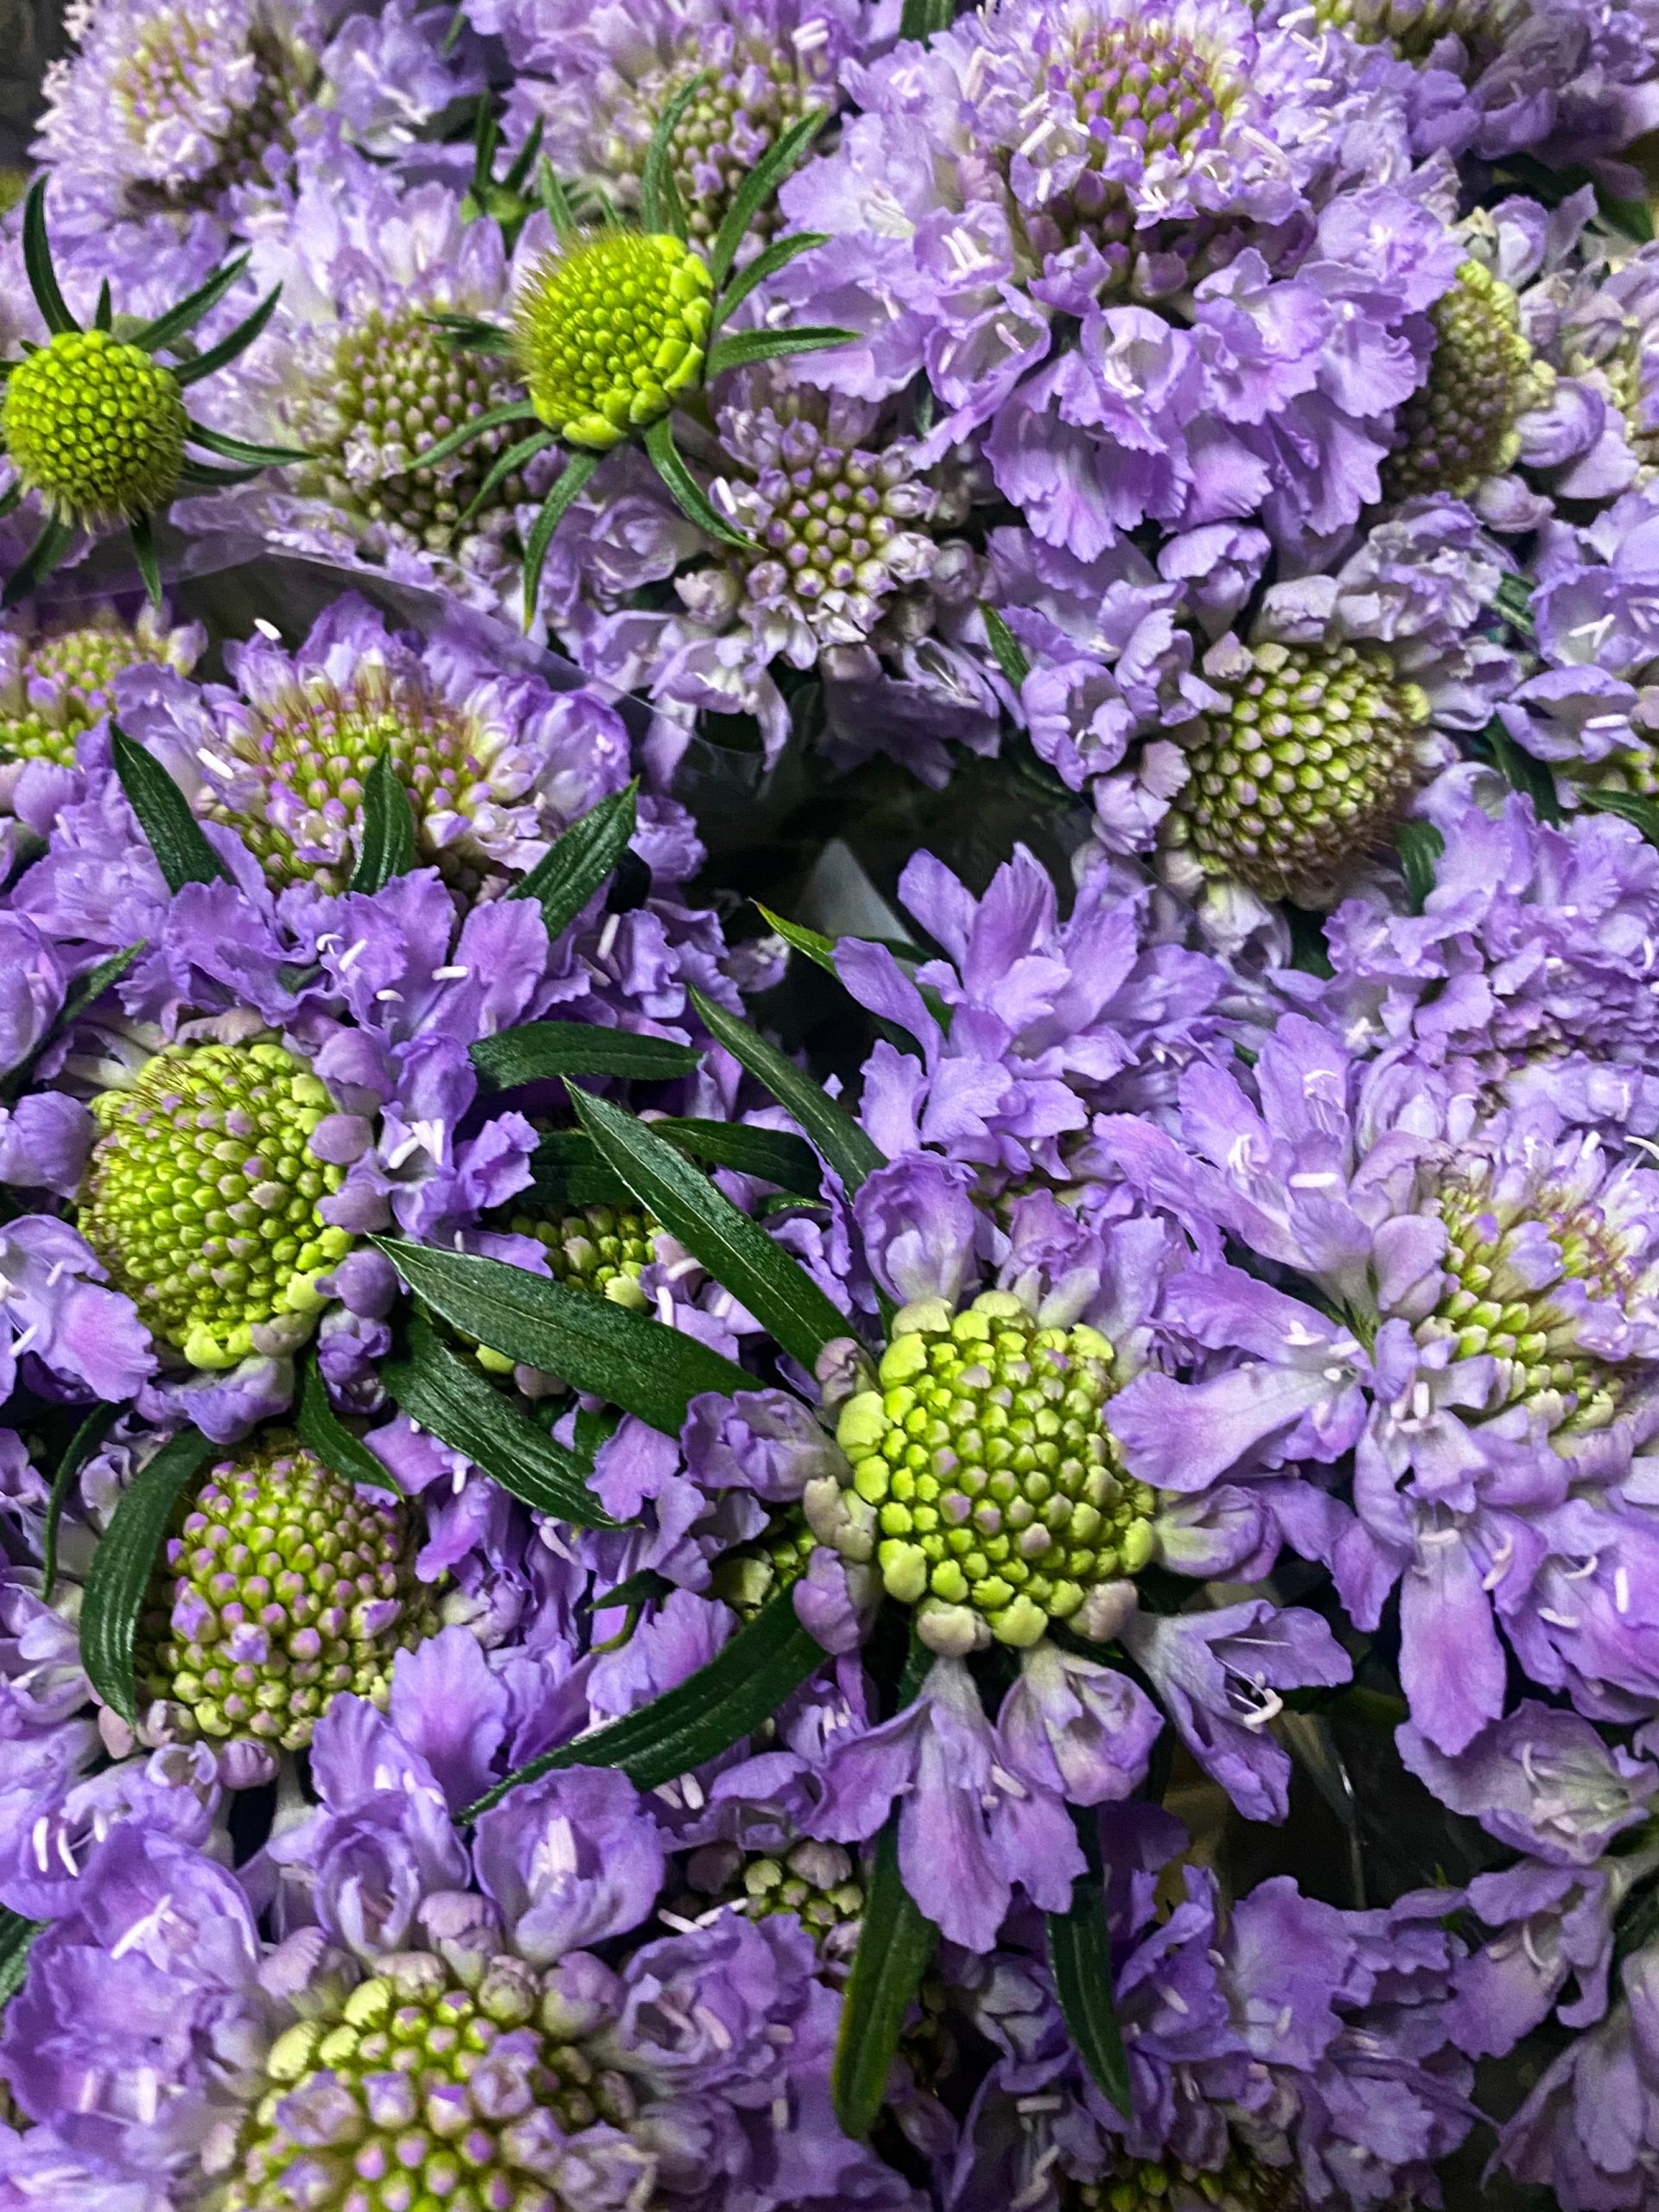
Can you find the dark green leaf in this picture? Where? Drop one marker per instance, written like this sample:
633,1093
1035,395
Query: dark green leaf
641,1365
16,1938
256,457
785,154
120,1572
741,1686
143,552
508,464
233,342
485,135
895,1943
810,944
830,1126
1513,597
81,995
319,1428
80,1448
556,204
1419,845
385,843
922,18
524,160
190,309
37,565
182,852
570,1173
13,494
537,1050
1009,653
448,1395
778,254
213,479
735,1250
103,313
1641,813
770,1155
688,495
470,334
1080,1959
1633,217
510,411
750,346
38,264
659,195
645,1588
1522,771
572,480
573,866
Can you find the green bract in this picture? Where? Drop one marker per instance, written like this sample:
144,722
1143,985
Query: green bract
200,1199
610,332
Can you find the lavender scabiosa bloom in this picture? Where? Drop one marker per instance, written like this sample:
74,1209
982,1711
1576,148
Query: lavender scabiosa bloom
549,2078
354,372
495,764
1072,166
1608,311
1532,962
597,79
57,675
178,110
1483,1343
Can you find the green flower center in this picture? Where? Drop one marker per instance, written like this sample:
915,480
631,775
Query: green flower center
291,783
160,87
424,2092
65,685
284,1587
1312,764
983,1479
95,427
392,391
836,527
1414,28
1240,2183
200,1199
1460,427
814,1881
1628,369
610,333
746,1576
601,1249
1493,1302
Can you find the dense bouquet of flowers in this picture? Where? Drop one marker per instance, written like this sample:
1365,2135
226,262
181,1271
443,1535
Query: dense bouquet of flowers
830,1109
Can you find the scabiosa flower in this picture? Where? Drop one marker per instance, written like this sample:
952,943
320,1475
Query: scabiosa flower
57,674
1531,962
598,83
544,2076
495,764
179,109
1483,1344
1609,311
1084,163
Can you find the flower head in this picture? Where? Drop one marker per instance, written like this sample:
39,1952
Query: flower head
96,428
608,332
57,678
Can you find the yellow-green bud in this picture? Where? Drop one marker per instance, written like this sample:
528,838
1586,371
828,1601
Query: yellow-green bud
610,333
96,427
1483,377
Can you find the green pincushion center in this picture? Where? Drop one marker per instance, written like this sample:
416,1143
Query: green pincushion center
1460,427
609,333
284,1587
1414,27
1494,1303
604,1249
730,122
1145,81
1308,769
422,2091
200,1199
65,688
991,1485
1240,2183
95,427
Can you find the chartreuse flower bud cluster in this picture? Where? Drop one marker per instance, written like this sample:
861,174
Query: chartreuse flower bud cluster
61,681
459,2082
1240,2183
982,1480
284,1587
1461,426
609,333
201,1199
602,1249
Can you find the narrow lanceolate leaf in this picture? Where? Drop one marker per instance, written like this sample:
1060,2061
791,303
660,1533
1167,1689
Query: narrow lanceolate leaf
244,449
83,993
80,1448
659,195
740,1689
42,556
1521,770
38,264
512,410
539,1049
894,1945
121,1567
505,464
470,334
641,1365
233,342
811,945
569,1172
448,1395
785,155
183,852
688,494
1080,1959
770,1155
921,18
565,491
754,273
1420,844
16,1938
736,1251
750,346
1641,813
190,310
385,845
831,1128
104,314
1007,649
319,1428
573,866
141,533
